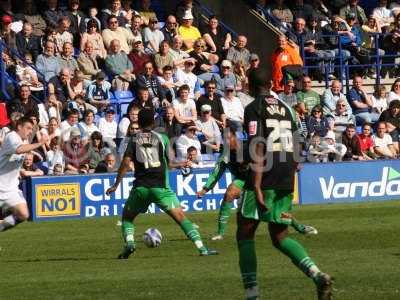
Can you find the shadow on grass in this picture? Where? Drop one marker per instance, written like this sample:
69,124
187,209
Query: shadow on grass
58,259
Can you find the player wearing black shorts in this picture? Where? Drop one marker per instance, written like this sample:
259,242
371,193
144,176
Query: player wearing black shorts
271,127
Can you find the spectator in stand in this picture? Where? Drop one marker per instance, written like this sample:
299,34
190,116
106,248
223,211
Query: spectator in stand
108,127
87,125
307,95
225,77
379,99
70,122
361,103
187,77
47,63
191,6
26,74
95,149
239,52
116,11
120,67
316,152
75,154
143,99
130,117
98,92
52,15
253,73
53,128
340,118
187,31
366,142
209,130
139,57
322,12
87,62
92,15
233,108
115,32
152,36
24,103
284,55
217,41
169,83
353,8
145,11
170,30
136,28
352,143
394,93
383,143
8,35
66,58
169,124
55,158
383,15
107,165
76,16
214,100
93,36
29,168
205,65
60,85
63,35
26,42
186,140
301,10
318,123
392,118
241,79
148,79
287,94
184,107
29,14
331,96
179,56
280,11
163,58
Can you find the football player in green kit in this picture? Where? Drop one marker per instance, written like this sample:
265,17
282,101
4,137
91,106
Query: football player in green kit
149,152
268,193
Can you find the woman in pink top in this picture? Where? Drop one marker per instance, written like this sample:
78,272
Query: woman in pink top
92,35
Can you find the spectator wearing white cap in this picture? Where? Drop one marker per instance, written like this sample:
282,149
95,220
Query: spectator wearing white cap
108,127
187,31
233,107
226,77
210,133
186,140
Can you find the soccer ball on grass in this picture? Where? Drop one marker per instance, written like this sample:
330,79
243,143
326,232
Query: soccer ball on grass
152,238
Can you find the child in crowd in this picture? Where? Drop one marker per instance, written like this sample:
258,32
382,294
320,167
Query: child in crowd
379,99
55,158
316,152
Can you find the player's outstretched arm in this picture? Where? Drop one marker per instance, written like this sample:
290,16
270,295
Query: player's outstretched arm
123,168
25,148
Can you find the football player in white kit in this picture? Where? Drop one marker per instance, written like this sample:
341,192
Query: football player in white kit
12,152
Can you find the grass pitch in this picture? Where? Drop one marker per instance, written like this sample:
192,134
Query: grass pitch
359,244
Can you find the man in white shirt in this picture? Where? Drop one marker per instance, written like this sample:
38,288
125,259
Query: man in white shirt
383,143
12,153
184,106
186,76
382,14
87,126
68,124
187,140
211,139
152,36
233,107
108,127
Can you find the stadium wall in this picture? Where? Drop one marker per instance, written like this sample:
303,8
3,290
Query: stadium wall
83,196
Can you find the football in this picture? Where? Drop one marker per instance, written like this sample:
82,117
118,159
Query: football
152,238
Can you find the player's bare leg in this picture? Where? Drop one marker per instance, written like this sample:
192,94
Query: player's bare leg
246,229
128,232
190,230
19,214
232,193
295,251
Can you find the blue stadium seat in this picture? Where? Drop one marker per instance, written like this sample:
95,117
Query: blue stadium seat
207,157
123,96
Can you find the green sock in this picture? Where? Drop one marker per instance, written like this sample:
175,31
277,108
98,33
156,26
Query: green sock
299,256
224,214
192,233
128,231
248,263
297,226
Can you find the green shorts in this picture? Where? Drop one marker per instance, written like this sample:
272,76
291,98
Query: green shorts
239,183
277,202
141,197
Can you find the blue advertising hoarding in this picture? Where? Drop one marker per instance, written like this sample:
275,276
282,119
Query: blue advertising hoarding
349,182
81,196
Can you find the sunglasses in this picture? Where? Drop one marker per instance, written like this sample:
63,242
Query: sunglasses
316,111
341,105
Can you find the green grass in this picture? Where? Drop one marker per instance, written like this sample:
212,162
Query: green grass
357,243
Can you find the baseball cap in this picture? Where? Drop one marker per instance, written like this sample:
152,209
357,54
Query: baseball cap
330,135
191,124
254,56
205,107
75,132
6,19
229,88
100,75
110,110
226,63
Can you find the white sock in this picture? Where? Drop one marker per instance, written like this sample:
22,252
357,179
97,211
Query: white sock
8,222
252,292
199,244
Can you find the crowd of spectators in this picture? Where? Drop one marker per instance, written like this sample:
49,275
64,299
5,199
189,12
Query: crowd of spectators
196,77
